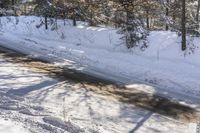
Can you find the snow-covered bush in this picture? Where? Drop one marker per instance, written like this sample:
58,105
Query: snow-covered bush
134,33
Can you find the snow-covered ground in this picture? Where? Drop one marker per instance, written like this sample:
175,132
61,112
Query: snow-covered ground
98,51
31,102
7,126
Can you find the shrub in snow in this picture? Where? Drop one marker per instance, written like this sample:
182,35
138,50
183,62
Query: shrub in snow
194,29
40,24
134,33
54,26
62,36
191,47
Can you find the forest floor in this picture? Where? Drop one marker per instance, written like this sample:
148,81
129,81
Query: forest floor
36,96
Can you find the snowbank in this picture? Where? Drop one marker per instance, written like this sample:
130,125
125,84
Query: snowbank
98,50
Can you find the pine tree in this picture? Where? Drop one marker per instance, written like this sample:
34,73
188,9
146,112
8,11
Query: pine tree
134,33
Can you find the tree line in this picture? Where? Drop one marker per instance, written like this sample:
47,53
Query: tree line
133,18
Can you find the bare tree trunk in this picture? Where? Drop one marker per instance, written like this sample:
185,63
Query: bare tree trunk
13,7
25,9
167,14
198,8
45,21
74,17
183,25
64,17
147,19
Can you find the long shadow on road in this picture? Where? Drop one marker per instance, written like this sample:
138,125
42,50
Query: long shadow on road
26,90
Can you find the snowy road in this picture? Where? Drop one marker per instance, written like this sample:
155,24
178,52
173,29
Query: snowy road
37,97
7,126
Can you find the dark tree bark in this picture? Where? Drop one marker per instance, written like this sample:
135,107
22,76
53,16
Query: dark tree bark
13,3
147,19
64,17
74,17
183,25
167,14
198,8
45,21
13,7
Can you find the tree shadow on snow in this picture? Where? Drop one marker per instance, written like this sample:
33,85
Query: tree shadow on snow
151,102
25,90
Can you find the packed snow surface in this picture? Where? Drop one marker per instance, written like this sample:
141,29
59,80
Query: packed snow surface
99,51
31,100
7,126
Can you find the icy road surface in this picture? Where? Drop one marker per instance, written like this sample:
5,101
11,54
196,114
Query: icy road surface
33,99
